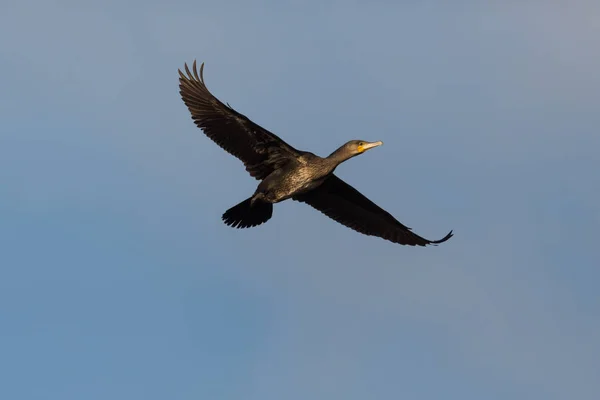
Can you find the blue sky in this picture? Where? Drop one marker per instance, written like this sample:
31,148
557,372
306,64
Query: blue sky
118,279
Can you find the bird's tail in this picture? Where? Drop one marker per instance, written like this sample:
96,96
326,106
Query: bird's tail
247,215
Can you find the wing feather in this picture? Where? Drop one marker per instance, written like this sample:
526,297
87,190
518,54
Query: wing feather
346,205
260,150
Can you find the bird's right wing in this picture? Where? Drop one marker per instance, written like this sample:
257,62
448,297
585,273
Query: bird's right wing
260,150
346,205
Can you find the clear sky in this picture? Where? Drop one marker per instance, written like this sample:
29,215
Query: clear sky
118,279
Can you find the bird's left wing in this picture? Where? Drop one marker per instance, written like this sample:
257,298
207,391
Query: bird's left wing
346,205
260,150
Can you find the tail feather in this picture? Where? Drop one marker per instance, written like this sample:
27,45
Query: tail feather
247,215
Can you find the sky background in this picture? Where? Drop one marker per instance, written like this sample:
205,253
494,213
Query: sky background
118,279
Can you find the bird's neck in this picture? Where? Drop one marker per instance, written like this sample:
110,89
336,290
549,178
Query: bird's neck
339,156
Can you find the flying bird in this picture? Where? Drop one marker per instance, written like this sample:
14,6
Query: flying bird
287,173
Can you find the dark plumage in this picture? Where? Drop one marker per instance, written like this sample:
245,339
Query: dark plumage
286,172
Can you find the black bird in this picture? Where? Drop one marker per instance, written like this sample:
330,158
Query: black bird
287,173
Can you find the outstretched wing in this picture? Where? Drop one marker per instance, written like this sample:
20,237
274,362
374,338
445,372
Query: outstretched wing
346,205
260,150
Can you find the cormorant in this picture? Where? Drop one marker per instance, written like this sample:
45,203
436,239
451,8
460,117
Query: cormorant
286,172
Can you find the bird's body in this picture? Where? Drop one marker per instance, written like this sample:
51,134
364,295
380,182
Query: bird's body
287,173
298,176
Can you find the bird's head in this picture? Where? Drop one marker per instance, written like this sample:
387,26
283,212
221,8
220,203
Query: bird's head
352,149
356,147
